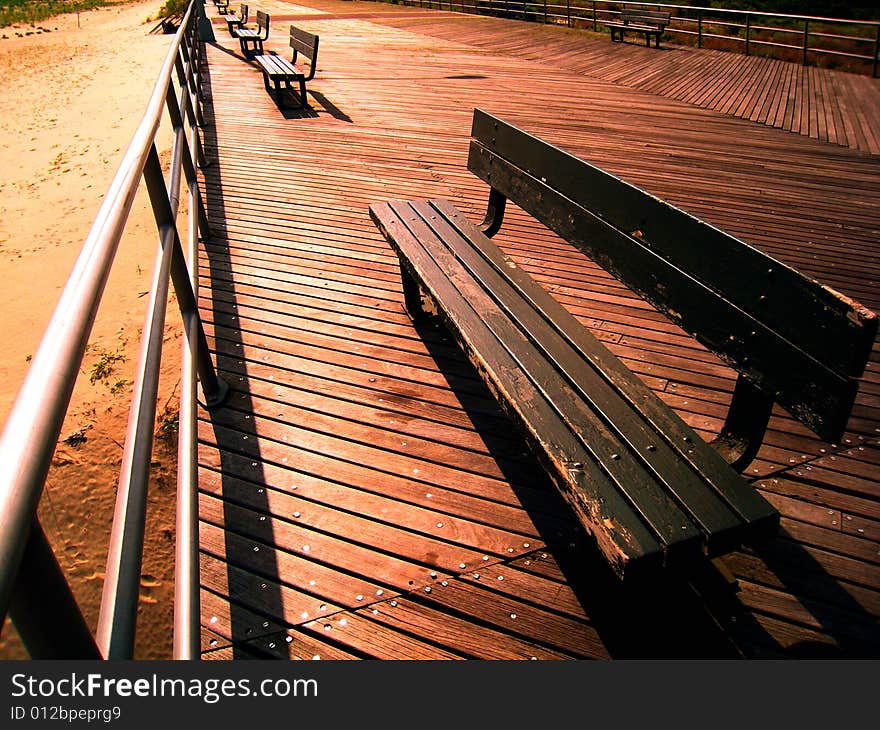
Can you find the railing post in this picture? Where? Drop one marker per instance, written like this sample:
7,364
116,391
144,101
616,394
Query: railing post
186,642
748,31
806,41
876,53
204,28
699,29
568,12
595,20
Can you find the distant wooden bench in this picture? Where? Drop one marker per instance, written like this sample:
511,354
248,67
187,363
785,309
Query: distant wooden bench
648,488
649,22
236,20
222,6
277,70
251,39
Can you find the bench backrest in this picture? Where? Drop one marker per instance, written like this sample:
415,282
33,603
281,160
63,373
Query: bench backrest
243,13
797,340
646,17
305,43
263,21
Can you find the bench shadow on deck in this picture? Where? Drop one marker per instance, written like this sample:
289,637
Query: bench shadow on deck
269,481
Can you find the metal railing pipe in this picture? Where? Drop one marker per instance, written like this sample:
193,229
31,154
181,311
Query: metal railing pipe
187,613
186,638
117,623
117,619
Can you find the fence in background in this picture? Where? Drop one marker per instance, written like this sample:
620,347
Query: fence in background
850,44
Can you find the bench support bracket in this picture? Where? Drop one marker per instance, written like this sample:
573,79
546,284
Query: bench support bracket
494,213
743,431
413,302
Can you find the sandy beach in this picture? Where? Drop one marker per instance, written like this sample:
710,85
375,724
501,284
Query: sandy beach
72,91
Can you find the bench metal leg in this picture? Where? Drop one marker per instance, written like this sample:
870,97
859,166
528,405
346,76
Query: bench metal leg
302,93
494,213
743,431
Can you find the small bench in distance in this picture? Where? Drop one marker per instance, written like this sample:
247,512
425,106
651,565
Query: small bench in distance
650,22
251,39
651,492
277,70
236,20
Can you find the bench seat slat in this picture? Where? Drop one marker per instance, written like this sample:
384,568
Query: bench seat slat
604,422
621,535
716,498
508,316
638,28
809,389
278,66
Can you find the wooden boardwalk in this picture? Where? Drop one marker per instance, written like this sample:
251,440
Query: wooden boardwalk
361,494
831,106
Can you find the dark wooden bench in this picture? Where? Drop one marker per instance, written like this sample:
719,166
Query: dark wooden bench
222,6
277,70
649,489
236,20
649,22
251,39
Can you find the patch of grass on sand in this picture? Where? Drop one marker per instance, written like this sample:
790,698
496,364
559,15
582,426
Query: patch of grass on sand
32,11
172,7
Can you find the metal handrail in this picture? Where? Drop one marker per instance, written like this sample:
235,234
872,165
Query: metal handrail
595,12
35,421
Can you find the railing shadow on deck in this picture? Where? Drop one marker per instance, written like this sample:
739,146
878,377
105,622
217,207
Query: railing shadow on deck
238,443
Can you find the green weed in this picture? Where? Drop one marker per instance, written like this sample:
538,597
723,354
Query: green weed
104,365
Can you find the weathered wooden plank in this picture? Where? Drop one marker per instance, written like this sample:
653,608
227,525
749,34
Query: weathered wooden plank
470,638
314,556
261,595
288,645
371,638
850,627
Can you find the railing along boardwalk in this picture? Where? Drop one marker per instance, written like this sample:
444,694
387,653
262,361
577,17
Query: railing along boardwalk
361,494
